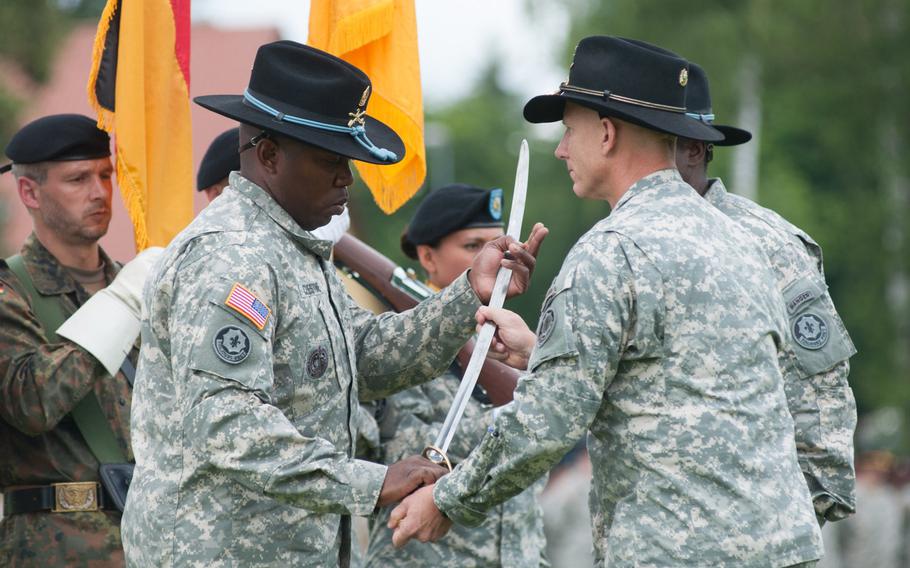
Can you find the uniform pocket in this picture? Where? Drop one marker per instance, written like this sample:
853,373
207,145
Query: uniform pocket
555,336
817,334
232,348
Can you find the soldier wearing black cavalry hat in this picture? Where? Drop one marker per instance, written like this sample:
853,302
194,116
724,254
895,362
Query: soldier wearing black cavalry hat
253,356
69,317
659,338
816,362
451,225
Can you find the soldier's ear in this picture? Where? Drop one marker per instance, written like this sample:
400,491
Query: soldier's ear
694,151
268,154
28,192
427,258
608,135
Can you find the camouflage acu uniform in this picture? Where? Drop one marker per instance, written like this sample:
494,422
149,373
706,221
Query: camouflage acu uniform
510,536
816,362
660,335
40,443
245,429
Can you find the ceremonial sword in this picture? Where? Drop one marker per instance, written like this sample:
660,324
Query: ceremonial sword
437,452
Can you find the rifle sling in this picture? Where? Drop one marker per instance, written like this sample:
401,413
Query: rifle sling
89,417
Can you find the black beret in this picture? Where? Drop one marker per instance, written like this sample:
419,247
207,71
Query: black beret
452,208
58,138
219,160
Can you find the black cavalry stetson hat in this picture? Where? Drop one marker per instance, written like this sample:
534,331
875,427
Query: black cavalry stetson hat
57,138
312,96
698,107
630,80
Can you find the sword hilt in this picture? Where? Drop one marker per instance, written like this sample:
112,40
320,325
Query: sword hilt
437,456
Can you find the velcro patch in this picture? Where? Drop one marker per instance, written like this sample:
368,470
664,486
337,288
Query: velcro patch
800,300
811,331
231,344
309,288
247,304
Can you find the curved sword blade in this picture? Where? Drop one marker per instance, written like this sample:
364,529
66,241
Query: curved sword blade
500,288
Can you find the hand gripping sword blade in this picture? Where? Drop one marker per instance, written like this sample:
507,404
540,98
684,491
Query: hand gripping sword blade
437,452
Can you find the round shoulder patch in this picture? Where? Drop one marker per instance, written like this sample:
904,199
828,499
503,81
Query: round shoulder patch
232,344
317,362
546,325
810,331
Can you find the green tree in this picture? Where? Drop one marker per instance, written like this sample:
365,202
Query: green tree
833,144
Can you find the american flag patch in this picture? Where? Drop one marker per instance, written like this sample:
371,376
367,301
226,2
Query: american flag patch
243,301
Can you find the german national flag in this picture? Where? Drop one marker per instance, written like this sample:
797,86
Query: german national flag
139,85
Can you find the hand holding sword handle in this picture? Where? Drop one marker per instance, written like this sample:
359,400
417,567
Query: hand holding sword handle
437,456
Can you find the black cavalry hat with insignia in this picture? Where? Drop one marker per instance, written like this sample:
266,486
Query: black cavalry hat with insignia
451,208
698,107
314,97
629,80
58,138
219,160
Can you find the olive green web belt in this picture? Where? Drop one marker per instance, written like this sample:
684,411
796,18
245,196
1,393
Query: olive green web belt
87,414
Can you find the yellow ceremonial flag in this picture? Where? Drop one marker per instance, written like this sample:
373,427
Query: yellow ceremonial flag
380,37
139,85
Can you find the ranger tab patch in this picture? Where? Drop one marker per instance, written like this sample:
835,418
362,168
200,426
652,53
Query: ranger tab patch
246,303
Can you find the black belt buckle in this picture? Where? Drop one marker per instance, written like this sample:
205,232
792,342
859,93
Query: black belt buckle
116,478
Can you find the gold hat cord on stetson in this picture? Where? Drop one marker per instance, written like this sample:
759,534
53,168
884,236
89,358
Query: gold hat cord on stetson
565,87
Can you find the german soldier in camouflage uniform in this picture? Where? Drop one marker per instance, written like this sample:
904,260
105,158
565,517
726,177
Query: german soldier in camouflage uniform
55,511
816,362
253,356
660,335
449,228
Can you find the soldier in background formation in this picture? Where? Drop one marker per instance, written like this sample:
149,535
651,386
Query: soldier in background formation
65,390
220,159
254,357
660,335
452,225
815,361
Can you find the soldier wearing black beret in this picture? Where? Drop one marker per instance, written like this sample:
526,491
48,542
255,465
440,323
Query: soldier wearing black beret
65,389
451,225
219,161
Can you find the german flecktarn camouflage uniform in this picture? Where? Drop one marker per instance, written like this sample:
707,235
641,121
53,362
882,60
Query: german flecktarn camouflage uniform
40,443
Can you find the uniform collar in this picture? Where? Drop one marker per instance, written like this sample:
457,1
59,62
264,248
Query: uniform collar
650,181
716,191
51,277
282,218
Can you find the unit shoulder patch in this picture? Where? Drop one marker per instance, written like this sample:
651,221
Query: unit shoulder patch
231,344
810,331
546,326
